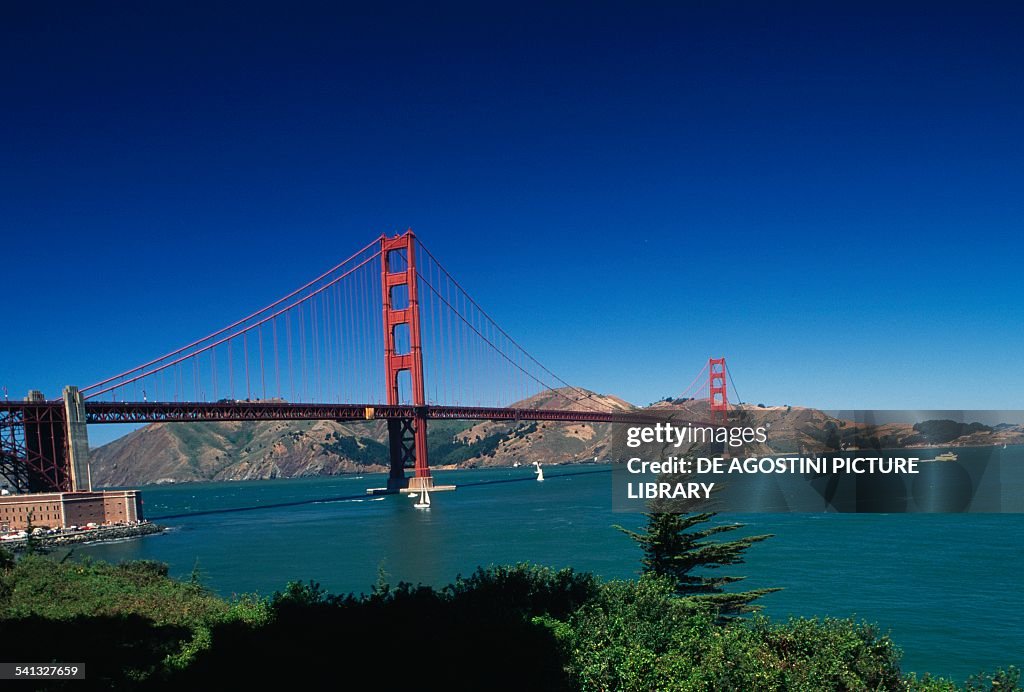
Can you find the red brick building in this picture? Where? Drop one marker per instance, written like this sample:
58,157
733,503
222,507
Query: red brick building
60,510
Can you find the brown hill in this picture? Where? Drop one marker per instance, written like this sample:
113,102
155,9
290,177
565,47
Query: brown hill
792,429
176,452
163,452
501,443
181,452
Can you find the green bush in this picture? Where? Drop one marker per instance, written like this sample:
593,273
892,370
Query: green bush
639,636
525,589
521,626
131,622
6,559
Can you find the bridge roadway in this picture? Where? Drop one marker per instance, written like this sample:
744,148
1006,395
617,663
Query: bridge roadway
159,412
44,446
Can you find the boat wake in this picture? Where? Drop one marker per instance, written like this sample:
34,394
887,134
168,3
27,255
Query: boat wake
351,499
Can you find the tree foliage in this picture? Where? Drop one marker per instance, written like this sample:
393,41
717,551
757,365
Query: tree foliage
680,548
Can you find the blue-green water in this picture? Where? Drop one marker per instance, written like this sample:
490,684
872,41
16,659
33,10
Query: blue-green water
947,586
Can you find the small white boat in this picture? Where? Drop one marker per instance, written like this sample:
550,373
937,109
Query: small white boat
413,496
948,456
540,471
424,502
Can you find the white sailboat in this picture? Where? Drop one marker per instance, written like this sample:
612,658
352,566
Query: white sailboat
424,502
540,471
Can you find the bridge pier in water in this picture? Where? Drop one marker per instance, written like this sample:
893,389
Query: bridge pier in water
405,436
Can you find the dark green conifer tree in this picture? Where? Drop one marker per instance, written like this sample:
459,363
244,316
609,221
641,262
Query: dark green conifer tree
678,546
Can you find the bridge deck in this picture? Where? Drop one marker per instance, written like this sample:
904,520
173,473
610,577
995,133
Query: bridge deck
158,412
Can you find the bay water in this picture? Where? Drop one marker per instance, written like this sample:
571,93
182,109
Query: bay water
946,587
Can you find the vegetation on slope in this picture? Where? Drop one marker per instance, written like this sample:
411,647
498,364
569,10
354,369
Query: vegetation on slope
130,623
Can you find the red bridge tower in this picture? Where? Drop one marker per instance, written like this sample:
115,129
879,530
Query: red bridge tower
717,391
407,437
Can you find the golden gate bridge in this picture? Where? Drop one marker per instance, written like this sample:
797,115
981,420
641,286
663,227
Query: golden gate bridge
390,308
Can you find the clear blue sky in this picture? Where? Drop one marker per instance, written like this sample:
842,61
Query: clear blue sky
830,196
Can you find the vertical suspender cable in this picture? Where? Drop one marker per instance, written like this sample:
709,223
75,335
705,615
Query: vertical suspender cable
263,377
245,349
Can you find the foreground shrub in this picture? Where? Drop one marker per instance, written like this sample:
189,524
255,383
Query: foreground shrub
130,623
526,589
637,636
519,627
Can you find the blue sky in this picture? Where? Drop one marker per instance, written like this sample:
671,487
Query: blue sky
830,196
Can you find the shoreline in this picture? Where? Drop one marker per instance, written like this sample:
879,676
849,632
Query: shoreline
97,535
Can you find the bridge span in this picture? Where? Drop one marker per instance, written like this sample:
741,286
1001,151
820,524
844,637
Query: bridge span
388,327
